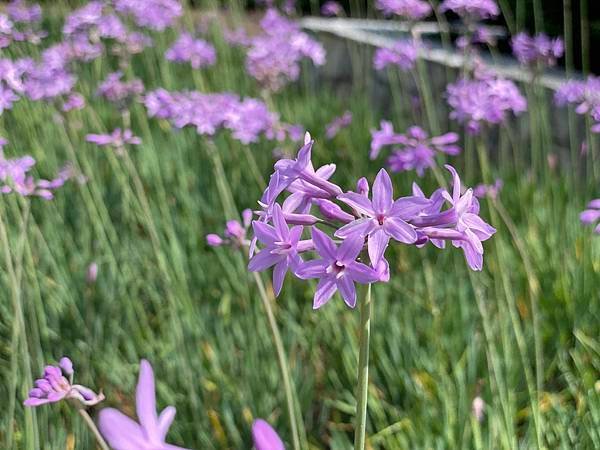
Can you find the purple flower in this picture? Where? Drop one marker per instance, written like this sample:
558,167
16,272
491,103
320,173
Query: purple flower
120,92
592,214
384,137
234,234
540,48
585,94
57,384
408,9
381,218
197,52
490,191
417,151
334,127
153,14
20,12
486,99
403,54
472,9
74,101
265,437
280,250
118,139
123,433
337,269
332,8
84,18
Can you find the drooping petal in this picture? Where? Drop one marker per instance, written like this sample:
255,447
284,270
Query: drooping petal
399,230
382,192
377,243
346,287
325,290
165,420
360,227
121,432
358,202
265,437
263,260
323,244
279,275
473,257
145,400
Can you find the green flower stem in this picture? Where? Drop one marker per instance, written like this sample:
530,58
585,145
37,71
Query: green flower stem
362,390
92,426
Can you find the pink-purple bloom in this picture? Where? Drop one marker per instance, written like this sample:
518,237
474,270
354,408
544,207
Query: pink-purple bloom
537,49
488,190
585,94
115,90
234,234
408,9
591,215
331,8
187,49
118,139
403,54
153,14
265,437
337,124
57,384
73,102
123,433
484,99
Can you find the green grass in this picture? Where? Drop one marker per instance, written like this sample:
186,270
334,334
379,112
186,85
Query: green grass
523,334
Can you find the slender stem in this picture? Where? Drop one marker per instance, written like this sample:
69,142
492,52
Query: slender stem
362,390
282,359
92,426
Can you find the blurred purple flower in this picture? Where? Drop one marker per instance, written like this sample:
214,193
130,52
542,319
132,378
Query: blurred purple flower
118,139
120,92
197,52
331,8
74,101
234,234
592,214
585,94
334,127
472,9
92,273
18,11
539,48
123,433
265,437
490,191
84,18
57,384
408,9
384,137
154,14
403,54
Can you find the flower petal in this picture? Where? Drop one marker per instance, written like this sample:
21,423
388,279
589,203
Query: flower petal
408,207
350,249
264,232
324,244
120,431
145,400
363,274
165,420
265,437
360,227
346,287
377,243
279,275
400,230
325,290
280,224
382,192
316,268
358,202
263,260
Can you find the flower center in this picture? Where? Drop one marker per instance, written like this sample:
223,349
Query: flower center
380,219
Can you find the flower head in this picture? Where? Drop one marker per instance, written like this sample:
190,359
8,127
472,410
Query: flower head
539,48
57,384
123,433
408,9
337,269
234,234
120,92
337,124
402,54
153,14
118,139
197,52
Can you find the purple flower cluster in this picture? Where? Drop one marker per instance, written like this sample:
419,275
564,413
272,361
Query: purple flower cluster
15,177
484,99
57,384
21,24
585,95
118,140
403,54
234,234
472,10
414,150
247,119
120,92
591,215
274,56
408,9
197,52
369,223
537,49
337,124
153,14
